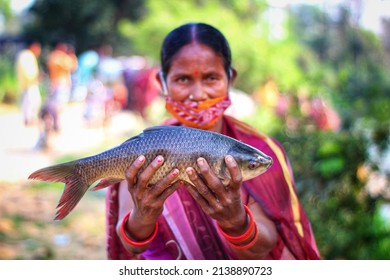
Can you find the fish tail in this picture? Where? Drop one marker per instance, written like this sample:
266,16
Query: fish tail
74,190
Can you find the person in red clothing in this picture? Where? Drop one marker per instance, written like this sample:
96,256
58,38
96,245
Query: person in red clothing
257,219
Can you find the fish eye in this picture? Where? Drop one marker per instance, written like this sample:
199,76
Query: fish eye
253,164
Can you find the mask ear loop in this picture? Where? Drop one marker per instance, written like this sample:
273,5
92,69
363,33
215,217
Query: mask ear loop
230,76
164,84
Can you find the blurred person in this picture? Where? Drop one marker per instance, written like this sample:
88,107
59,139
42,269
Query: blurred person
95,103
145,90
261,218
61,63
141,84
109,72
84,74
27,72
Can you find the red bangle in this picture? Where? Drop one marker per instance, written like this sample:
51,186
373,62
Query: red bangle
250,244
245,235
132,242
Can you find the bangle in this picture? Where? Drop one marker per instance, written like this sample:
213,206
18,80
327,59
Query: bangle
132,242
250,244
245,235
248,238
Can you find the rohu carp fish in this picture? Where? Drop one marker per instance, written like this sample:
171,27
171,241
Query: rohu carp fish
180,146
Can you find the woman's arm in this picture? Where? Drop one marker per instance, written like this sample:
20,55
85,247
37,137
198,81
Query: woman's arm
145,202
251,233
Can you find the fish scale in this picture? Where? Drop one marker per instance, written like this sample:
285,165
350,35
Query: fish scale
180,146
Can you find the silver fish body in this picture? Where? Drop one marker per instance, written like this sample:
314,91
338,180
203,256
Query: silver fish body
180,146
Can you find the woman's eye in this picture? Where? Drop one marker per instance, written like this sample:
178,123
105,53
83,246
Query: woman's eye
182,79
211,78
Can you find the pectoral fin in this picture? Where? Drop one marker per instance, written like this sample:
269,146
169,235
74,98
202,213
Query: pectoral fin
105,183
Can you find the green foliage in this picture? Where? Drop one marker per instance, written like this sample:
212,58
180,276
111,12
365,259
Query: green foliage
84,23
5,9
265,120
346,65
8,85
254,54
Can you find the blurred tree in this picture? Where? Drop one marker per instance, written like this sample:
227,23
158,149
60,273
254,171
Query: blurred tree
347,65
84,23
255,55
360,78
5,9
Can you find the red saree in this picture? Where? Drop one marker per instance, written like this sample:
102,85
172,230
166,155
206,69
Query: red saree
185,232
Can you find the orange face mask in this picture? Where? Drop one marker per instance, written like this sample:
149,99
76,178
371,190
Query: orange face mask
194,114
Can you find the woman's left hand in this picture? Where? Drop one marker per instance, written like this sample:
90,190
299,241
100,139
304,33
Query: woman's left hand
221,202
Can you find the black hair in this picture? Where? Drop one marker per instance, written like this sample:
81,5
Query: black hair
195,32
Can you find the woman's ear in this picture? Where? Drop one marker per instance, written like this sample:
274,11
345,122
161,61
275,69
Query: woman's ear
160,77
233,75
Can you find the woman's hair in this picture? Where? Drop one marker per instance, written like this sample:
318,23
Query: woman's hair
195,32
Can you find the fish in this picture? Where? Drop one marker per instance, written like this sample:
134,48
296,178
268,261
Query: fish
179,145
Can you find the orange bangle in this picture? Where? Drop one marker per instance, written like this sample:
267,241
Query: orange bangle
250,244
245,235
132,242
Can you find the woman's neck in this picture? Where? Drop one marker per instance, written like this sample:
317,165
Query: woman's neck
218,126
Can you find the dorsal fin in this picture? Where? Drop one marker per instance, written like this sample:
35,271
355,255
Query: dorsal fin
161,127
153,129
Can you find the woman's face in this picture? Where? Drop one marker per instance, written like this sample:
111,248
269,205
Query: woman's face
197,71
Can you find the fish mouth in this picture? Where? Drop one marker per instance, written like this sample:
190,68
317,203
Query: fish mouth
265,161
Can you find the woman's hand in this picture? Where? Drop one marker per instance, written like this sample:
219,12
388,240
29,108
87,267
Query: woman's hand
224,204
147,200
221,202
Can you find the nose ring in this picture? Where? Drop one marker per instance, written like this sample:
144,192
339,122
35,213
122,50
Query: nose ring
191,97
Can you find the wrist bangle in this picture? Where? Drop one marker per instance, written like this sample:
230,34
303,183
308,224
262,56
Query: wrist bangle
131,242
248,238
245,235
250,244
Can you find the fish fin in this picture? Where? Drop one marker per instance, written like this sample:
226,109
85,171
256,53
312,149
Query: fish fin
160,127
74,190
151,130
55,173
105,183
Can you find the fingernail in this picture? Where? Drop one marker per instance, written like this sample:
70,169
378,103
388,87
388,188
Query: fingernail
175,173
189,171
229,159
141,159
159,159
200,161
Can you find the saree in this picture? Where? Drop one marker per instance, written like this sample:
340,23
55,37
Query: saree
185,232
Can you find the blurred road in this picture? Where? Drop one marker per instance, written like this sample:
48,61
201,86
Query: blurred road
33,234
19,156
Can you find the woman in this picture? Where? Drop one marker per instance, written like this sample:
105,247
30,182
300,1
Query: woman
259,219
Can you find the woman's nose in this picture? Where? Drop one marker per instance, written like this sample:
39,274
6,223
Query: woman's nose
198,93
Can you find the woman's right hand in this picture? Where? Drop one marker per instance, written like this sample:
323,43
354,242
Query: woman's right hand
148,199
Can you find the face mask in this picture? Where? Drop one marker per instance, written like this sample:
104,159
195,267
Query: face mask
194,114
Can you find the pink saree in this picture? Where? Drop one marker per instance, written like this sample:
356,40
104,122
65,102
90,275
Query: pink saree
185,232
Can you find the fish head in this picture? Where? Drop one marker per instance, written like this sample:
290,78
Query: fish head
251,161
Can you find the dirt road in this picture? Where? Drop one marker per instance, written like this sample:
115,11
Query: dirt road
27,229
18,153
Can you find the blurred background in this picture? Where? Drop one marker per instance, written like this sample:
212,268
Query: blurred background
313,74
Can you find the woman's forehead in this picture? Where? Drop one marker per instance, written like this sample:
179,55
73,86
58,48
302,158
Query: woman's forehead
197,56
